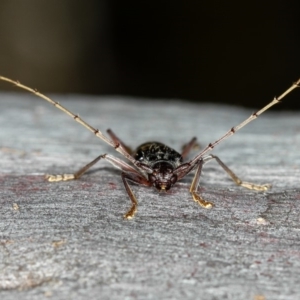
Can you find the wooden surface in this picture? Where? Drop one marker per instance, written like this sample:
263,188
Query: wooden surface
68,240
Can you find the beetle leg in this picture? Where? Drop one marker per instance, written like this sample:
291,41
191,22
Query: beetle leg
117,140
237,180
137,178
186,149
120,164
193,189
76,175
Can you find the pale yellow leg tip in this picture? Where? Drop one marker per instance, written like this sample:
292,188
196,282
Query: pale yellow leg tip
205,204
50,177
266,186
130,214
128,217
55,178
208,205
263,187
251,186
202,202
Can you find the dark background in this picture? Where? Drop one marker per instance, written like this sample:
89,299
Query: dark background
239,52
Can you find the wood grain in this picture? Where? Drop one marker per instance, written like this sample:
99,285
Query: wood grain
69,240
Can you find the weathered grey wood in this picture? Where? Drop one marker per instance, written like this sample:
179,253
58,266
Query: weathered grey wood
68,240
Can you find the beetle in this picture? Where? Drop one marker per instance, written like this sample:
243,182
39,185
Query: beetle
153,163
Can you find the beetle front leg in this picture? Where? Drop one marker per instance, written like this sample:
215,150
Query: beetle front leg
193,189
185,169
137,179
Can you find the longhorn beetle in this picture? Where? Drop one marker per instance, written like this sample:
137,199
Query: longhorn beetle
153,163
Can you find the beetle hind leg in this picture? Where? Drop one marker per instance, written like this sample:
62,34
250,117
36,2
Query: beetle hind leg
187,148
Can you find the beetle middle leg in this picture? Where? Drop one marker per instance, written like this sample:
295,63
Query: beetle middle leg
237,180
118,163
76,175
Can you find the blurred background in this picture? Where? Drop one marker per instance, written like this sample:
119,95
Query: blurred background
233,52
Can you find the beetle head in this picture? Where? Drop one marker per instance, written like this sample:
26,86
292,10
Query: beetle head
162,176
